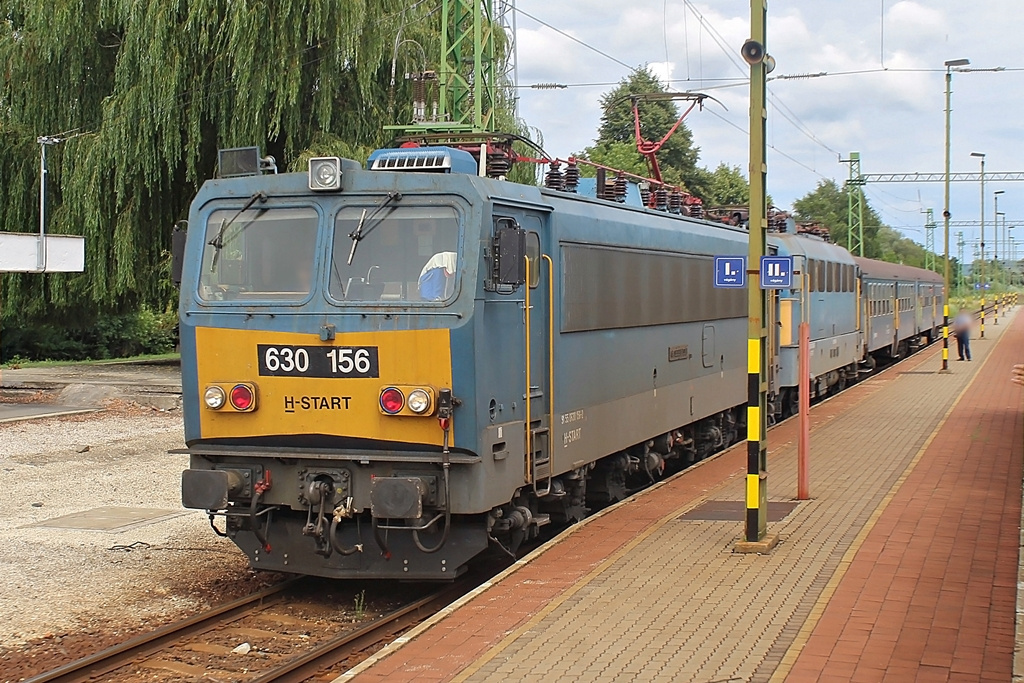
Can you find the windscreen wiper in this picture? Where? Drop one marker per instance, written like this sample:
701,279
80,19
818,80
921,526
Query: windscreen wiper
357,235
218,242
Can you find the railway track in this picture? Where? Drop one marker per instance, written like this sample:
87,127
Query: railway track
160,651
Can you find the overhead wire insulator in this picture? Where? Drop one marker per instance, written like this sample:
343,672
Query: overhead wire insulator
645,194
661,199
498,165
694,207
675,202
553,179
620,188
572,176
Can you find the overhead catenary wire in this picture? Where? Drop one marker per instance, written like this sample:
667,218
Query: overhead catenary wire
574,39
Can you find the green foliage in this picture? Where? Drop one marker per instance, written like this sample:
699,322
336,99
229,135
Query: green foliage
726,186
618,155
896,248
616,142
113,336
153,88
828,204
360,605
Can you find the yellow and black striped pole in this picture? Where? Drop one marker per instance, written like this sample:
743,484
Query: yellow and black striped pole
754,52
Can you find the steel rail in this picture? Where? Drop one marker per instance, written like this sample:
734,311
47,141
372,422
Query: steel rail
351,643
111,658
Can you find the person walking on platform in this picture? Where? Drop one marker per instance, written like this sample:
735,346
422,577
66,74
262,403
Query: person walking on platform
962,329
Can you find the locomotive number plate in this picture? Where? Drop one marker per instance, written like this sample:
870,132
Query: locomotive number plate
317,361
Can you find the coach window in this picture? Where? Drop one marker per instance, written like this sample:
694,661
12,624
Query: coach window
403,253
809,267
821,276
533,256
259,254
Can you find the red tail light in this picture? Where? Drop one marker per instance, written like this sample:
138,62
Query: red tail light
391,400
242,397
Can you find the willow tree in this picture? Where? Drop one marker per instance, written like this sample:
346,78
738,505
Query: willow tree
145,91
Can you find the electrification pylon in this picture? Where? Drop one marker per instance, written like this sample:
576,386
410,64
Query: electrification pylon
508,68
929,239
467,87
855,206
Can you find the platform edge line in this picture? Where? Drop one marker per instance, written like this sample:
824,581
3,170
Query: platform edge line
796,647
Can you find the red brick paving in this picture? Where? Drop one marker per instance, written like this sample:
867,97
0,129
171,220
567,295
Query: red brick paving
931,594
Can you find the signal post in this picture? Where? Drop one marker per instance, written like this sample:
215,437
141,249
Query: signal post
756,538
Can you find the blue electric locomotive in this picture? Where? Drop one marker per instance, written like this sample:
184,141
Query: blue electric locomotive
387,370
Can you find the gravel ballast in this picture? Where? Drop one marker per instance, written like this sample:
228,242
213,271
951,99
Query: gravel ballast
57,582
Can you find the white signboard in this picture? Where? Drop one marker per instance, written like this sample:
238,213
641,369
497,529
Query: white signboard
19,253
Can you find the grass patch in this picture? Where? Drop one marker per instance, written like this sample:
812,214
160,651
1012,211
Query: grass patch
157,358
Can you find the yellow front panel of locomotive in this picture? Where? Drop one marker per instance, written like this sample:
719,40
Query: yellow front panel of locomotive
314,398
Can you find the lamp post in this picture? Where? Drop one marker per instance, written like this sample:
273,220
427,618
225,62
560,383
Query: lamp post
996,268
984,283
945,218
1013,260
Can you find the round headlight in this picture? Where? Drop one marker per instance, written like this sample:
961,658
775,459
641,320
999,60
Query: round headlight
242,397
325,173
419,401
391,400
214,397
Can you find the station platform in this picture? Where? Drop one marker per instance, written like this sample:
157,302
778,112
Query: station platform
903,566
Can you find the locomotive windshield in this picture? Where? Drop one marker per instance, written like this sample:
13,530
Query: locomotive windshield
404,254
259,253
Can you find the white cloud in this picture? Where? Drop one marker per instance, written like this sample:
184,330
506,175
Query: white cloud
893,118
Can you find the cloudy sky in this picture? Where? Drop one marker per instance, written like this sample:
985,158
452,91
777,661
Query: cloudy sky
890,108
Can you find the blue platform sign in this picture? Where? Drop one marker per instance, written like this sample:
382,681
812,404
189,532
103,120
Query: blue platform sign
730,271
978,285
776,272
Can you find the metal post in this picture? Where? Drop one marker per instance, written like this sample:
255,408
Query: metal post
757,418
984,283
995,214
945,219
929,240
41,246
960,262
855,206
804,397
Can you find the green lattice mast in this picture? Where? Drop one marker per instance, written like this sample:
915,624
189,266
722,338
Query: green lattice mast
929,239
855,206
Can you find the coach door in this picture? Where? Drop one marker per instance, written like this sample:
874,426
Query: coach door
538,323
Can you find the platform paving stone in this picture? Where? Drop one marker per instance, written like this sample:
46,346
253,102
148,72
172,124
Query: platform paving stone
637,594
934,585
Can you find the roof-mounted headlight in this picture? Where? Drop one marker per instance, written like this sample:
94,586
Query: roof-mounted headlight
324,174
